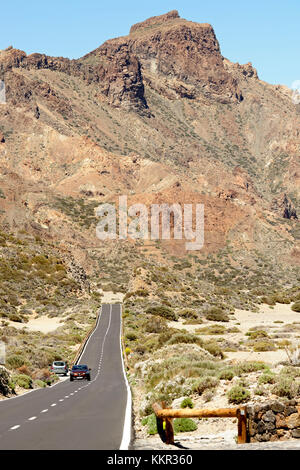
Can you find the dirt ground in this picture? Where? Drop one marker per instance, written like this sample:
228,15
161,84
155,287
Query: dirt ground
39,323
109,297
267,319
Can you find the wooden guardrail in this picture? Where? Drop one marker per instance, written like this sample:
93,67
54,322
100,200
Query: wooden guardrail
165,415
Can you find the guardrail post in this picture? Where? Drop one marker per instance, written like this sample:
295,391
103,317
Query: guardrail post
159,422
164,425
169,427
242,425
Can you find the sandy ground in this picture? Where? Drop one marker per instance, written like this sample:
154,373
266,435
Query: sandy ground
46,324
111,297
244,320
266,316
42,323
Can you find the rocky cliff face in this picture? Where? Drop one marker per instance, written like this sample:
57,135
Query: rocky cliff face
185,56
176,54
118,74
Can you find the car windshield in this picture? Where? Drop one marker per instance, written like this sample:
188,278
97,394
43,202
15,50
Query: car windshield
59,364
80,367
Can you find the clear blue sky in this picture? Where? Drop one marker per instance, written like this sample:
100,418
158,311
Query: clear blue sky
264,32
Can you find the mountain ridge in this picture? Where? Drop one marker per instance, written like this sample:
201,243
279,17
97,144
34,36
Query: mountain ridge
156,114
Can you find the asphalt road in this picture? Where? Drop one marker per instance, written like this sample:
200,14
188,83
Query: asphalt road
79,414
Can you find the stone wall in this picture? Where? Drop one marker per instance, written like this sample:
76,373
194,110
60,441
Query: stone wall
276,420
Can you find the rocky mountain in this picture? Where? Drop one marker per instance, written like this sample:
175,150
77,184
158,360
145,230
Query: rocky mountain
158,115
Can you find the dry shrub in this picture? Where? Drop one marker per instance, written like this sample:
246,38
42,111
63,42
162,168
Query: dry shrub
24,370
41,374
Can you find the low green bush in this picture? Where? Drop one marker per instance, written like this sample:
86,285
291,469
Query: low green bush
205,383
267,378
213,348
259,391
162,311
261,346
150,422
155,325
249,366
257,334
22,380
39,383
286,387
187,403
226,374
238,394
296,306
217,314
131,336
14,361
186,338
269,300
184,425
282,298
188,313
211,330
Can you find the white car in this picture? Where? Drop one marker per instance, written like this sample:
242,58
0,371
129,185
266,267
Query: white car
60,367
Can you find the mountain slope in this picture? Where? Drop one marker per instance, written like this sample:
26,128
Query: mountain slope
159,115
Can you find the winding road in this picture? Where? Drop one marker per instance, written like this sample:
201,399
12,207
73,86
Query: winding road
76,415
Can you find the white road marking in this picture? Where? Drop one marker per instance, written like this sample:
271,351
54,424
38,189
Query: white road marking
32,418
126,438
44,411
15,427
61,399
53,404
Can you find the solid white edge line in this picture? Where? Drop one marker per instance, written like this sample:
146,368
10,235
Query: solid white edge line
126,438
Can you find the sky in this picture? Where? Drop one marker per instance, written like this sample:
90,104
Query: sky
264,32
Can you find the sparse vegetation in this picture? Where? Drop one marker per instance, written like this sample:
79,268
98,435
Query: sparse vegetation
187,403
238,394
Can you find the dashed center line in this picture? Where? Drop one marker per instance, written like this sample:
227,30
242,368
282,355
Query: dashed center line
32,418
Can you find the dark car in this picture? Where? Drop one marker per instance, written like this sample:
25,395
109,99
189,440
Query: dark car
80,371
